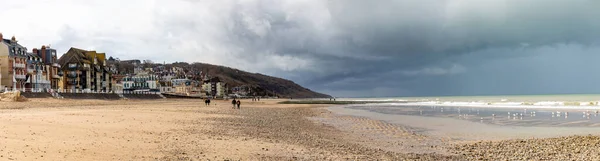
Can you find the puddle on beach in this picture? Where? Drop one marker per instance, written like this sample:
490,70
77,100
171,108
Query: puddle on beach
497,116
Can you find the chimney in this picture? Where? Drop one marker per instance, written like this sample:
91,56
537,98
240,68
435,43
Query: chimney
43,53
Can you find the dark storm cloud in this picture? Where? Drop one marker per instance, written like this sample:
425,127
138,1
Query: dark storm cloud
348,47
375,43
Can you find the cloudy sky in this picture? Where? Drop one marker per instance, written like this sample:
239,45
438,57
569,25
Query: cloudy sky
346,48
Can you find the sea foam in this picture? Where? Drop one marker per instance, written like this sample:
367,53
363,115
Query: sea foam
532,105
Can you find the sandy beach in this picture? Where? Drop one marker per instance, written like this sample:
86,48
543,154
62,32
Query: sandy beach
172,129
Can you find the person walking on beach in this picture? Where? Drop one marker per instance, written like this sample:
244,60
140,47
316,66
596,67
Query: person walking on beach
233,103
238,104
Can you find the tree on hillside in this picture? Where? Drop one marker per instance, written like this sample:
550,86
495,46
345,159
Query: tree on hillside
125,67
147,64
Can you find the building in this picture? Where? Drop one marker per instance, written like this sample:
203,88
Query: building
166,87
117,87
141,81
182,86
37,80
214,87
13,58
240,91
50,65
85,71
185,86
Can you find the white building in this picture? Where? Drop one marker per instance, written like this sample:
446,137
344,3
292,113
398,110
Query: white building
141,81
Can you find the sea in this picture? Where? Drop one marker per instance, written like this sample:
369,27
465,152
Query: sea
579,110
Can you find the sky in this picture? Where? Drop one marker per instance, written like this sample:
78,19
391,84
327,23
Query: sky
345,48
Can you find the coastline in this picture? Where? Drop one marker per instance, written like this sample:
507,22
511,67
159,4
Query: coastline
177,129
477,141
463,130
558,107
173,129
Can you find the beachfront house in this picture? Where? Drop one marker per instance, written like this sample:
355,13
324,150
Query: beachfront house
142,81
49,67
36,80
166,87
214,87
240,91
184,86
12,64
85,71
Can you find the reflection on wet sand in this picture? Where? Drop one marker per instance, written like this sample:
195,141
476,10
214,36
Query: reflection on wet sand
496,116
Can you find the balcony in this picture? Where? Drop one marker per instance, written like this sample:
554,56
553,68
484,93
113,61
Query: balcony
55,76
31,70
20,76
73,82
72,75
86,67
19,65
56,65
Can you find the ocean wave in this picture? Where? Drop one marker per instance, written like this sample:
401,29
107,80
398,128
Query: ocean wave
540,104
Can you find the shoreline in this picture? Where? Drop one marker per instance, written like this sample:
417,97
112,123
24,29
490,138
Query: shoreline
173,129
178,129
477,141
458,129
581,107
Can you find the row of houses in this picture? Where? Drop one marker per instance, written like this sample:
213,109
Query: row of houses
173,81
24,70
88,71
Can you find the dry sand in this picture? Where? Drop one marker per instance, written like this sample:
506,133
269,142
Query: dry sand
171,129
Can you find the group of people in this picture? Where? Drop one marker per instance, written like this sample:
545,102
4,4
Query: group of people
236,102
255,99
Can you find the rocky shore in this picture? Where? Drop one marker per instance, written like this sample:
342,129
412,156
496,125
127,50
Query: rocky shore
561,148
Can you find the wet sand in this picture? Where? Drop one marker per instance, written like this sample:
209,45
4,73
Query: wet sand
498,116
484,141
458,130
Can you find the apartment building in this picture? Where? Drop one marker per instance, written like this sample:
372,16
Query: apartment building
13,58
85,71
214,87
51,68
37,80
141,81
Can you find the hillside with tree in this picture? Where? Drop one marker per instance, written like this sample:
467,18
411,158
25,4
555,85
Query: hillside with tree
258,84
